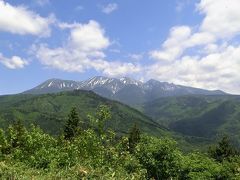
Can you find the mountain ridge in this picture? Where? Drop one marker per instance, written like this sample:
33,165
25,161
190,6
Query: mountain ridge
125,90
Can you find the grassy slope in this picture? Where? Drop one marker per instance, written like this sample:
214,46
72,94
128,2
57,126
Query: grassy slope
50,111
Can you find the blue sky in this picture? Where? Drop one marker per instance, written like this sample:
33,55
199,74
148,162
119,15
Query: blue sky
188,42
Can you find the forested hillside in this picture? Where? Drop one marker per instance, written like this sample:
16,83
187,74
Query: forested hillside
195,121
49,111
198,116
94,152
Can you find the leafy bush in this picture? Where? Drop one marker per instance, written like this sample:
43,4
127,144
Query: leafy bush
199,166
160,157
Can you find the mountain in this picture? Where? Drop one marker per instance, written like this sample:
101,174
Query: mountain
50,111
54,86
198,116
125,90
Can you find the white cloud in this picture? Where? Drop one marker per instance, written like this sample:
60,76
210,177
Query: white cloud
214,61
20,20
83,50
210,30
222,17
214,71
173,47
120,69
63,25
89,37
14,62
109,8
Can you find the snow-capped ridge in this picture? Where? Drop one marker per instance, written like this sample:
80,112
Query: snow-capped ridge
58,84
127,80
120,87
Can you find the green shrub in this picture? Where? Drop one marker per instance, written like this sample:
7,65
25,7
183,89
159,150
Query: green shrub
160,157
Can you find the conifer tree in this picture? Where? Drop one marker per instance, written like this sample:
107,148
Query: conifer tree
134,138
71,127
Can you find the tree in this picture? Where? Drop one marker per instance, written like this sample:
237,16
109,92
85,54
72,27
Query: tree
71,127
134,138
16,134
224,150
102,116
3,143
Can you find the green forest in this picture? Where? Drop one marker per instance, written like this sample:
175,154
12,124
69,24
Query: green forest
95,151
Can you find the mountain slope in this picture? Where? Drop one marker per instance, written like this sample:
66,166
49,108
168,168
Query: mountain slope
199,116
50,111
126,90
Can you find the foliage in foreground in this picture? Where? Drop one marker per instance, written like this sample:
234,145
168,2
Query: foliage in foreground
96,153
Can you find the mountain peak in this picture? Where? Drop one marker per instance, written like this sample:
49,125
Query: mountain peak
123,89
52,80
127,80
54,85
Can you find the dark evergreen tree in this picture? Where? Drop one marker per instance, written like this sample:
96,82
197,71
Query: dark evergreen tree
224,150
72,125
134,138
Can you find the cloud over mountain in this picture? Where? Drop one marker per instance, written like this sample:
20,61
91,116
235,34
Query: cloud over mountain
206,55
83,50
198,47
